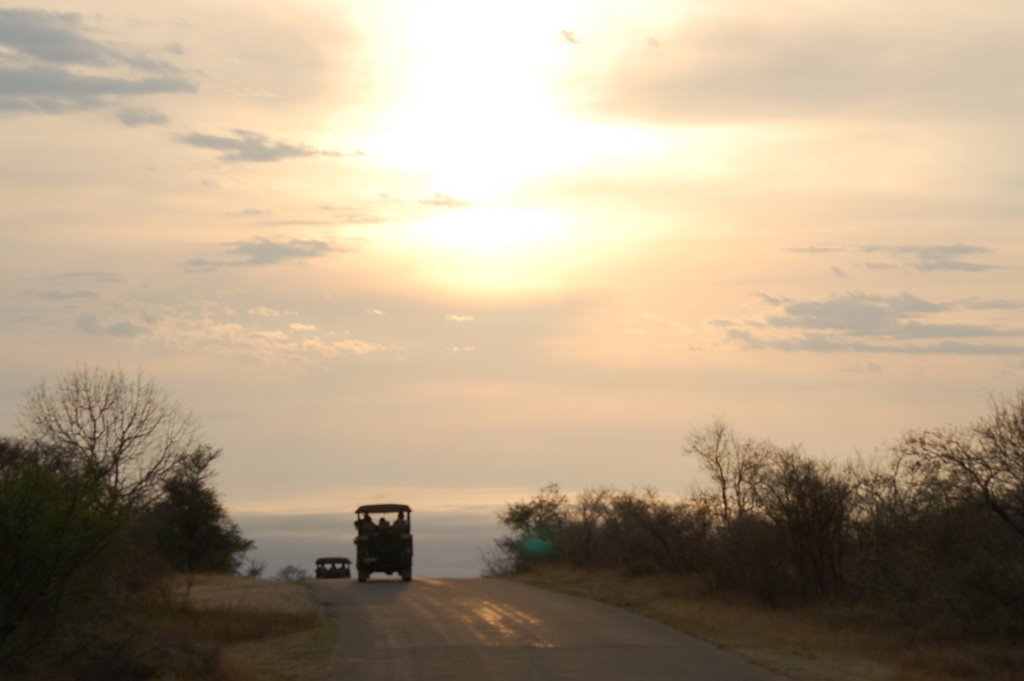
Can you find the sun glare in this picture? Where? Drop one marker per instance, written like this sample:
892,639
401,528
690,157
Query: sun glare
479,112
486,230
485,251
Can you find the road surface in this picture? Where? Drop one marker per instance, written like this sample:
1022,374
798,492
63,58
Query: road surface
498,630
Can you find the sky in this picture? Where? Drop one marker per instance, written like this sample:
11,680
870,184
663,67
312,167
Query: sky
446,252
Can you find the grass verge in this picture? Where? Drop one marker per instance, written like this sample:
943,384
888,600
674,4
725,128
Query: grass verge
203,628
805,644
265,630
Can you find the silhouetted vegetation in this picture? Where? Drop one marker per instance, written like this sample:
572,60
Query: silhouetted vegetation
106,494
292,573
931,536
190,528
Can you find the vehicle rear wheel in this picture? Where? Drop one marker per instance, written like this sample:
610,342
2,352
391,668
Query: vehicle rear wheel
363,574
407,575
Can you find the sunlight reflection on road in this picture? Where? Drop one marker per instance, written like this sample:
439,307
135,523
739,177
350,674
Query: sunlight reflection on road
506,625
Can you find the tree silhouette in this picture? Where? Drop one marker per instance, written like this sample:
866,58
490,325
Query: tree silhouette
124,430
191,528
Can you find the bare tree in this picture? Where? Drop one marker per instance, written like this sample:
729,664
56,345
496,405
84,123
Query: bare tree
983,463
734,465
126,431
810,502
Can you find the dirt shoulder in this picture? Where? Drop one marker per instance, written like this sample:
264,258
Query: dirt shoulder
803,644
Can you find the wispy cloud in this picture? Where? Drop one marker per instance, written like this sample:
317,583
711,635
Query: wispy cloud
248,146
262,251
98,277
748,61
864,368
136,116
90,324
937,258
571,37
51,65
825,344
444,200
264,311
63,295
209,326
919,257
861,322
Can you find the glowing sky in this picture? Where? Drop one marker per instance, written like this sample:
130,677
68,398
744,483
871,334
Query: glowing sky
449,251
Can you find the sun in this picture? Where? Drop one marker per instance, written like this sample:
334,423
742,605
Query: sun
477,110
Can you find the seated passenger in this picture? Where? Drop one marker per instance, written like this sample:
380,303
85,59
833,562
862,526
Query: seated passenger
383,524
401,525
365,525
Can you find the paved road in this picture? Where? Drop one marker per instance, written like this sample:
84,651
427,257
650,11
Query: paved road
496,630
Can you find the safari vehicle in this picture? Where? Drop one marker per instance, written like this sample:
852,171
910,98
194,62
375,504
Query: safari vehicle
384,543
333,567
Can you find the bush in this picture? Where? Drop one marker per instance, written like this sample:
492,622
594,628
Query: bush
931,538
59,540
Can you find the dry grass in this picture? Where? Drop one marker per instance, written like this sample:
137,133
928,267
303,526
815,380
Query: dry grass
226,592
259,630
811,644
209,628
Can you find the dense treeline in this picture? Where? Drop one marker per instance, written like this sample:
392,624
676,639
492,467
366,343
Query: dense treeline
104,495
931,535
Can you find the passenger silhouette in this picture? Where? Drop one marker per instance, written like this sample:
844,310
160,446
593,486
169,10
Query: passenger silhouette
365,525
401,525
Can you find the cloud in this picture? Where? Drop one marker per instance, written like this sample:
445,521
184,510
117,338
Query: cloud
815,249
51,65
864,368
871,323
247,146
211,327
923,258
51,36
570,37
822,344
459,318
64,295
444,200
90,324
262,251
141,115
264,311
747,60
98,277
937,258
266,252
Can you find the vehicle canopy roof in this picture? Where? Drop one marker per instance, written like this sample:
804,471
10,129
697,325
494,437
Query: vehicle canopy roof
384,508
334,559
